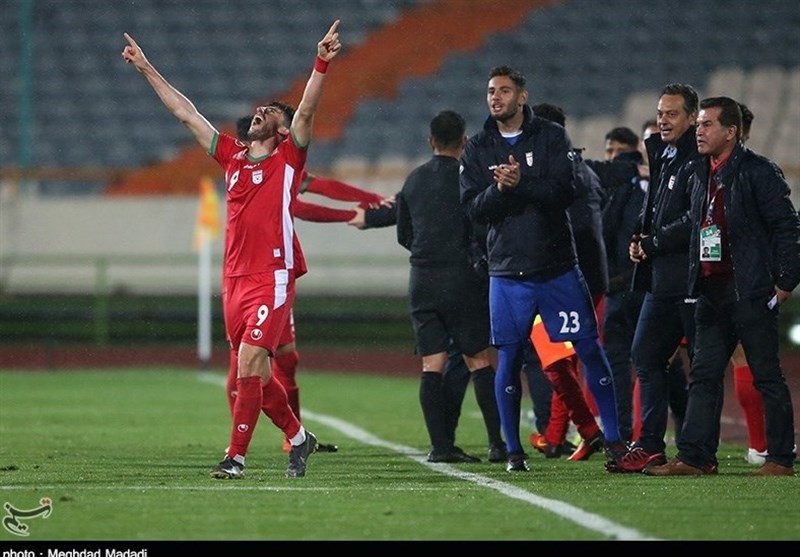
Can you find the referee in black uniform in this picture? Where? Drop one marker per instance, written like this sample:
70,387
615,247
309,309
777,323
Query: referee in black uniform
448,288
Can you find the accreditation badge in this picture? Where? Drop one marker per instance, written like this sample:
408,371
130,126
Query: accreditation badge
710,243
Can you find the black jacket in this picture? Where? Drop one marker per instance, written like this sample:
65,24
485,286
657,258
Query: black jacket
529,232
762,224
665,219
431,223
381,217
586,217
624,198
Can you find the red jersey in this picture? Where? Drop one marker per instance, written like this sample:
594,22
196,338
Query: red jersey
259,228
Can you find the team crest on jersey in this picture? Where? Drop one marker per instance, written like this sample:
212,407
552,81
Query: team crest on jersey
256,334
529,158
258,176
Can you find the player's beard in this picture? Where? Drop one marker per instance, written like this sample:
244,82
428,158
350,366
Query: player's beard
263,133
507,114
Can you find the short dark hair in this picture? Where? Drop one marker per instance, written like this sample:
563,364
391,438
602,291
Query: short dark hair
647,123
747,119
287,109
550,112
623,135
448,128
686,91
516,76
729,115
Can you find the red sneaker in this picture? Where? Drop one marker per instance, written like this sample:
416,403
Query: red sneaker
636,460
587,447
539,443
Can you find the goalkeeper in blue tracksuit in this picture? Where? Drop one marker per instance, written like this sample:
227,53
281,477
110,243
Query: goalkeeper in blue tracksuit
517,179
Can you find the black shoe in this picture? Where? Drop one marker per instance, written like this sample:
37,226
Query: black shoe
567,448
298,456
327,448
497,452
452,455
553,451
228,469
517,463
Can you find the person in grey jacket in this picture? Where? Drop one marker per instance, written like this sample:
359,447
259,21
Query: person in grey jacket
744,263
517,179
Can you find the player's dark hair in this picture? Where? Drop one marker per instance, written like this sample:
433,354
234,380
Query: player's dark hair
687,92
287,109
516,76
550,112
729,112
623,135
448,128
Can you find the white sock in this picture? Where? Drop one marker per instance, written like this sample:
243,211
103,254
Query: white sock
299,438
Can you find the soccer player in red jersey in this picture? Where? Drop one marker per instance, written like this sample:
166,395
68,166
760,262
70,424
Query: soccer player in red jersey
263,256
286,358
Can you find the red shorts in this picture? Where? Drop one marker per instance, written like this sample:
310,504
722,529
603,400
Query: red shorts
257,309
287,337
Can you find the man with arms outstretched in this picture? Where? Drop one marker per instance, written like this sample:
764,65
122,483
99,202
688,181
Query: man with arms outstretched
262,257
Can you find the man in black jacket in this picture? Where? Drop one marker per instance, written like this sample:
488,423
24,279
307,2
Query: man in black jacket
447,297
660,249
518,180
744,262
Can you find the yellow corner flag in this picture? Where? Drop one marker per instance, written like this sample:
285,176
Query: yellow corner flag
548,351
208,222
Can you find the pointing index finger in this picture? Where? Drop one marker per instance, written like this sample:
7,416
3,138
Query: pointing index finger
130,40
332,30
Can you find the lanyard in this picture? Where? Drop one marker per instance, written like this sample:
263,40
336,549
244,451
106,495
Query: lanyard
715,186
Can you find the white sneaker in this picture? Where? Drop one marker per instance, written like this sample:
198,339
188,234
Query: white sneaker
756,457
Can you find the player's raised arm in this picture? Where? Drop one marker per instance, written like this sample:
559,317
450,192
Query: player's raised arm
303,120
177,103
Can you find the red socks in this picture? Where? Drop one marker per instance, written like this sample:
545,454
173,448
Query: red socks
275,405
284,369
753,406
637,410
568,403
230,382
246,409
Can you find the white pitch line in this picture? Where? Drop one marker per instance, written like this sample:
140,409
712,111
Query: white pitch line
227,487
582,518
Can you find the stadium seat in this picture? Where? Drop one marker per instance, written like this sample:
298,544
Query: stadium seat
601,61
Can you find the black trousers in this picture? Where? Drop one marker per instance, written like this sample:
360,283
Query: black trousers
720,321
